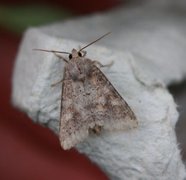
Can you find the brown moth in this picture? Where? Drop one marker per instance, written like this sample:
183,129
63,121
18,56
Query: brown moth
89,102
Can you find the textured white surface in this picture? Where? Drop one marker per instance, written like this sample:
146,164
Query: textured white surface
150,45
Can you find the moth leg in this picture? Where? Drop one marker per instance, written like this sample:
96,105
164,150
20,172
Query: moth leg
61,81
96,129
56,83
84,53
61,57
97,63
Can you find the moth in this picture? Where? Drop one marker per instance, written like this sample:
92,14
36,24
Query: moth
89,102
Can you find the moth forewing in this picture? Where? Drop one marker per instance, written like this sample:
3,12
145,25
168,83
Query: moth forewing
89,102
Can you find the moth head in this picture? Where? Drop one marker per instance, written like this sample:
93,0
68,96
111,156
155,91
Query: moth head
75,54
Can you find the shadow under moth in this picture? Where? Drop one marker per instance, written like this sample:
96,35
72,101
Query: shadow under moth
89,102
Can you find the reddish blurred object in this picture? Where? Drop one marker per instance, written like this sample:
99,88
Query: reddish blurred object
79,7
29,151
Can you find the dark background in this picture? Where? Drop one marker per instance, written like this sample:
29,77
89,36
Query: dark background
28,150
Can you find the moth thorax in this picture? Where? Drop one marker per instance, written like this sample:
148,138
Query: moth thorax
76,71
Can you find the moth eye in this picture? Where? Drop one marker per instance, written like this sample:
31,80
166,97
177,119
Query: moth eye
70,56
80,54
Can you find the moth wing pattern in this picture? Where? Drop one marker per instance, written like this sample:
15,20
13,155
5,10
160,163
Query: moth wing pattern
117,113
92,103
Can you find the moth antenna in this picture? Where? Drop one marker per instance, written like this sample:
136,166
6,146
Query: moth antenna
52,51
94,41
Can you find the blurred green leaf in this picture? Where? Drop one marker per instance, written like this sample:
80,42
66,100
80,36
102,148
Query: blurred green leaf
18,18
